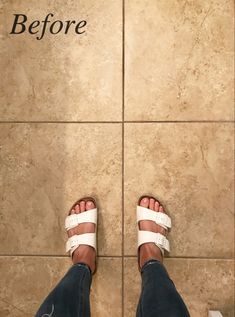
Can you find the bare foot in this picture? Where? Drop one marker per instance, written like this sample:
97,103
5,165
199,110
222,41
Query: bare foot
150,251
84,253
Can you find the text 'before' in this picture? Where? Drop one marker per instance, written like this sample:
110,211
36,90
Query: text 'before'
48,25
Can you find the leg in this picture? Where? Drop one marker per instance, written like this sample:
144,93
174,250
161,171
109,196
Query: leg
159,297
70,298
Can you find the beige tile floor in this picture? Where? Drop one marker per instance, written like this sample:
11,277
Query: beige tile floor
71,124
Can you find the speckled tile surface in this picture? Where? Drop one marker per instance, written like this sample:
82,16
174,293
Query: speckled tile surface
62,77
45,168
203,283
34,278
75,116
179,60
189,168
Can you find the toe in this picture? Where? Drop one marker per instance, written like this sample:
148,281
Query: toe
144,202
90,205
151,203
77,209
161,229
82,206
71,232
156,206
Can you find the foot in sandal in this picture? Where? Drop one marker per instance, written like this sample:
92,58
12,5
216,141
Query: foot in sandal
153,225
81,228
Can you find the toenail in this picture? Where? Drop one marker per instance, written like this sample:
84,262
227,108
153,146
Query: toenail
145,200
89,203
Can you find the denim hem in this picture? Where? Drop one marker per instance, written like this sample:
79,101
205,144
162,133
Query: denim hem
149,262
83,265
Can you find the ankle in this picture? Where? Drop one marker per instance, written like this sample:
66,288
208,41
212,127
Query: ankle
149,251
86,255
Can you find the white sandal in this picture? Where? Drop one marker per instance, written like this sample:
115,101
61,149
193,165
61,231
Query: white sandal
73,220
159,218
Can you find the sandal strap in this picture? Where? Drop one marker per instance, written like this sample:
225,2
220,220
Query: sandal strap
159,218
154,237
86,239
72,221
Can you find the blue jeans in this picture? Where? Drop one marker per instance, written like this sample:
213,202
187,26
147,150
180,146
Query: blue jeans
70,298
159,297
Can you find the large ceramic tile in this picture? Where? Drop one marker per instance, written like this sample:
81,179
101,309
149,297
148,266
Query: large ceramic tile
62,77
45,168
203,284
26,281
189,168
179,60
106,292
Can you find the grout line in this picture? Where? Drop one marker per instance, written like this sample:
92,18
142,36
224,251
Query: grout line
113,122
123,126
60,122
115,257
181,121
55,256
187,257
